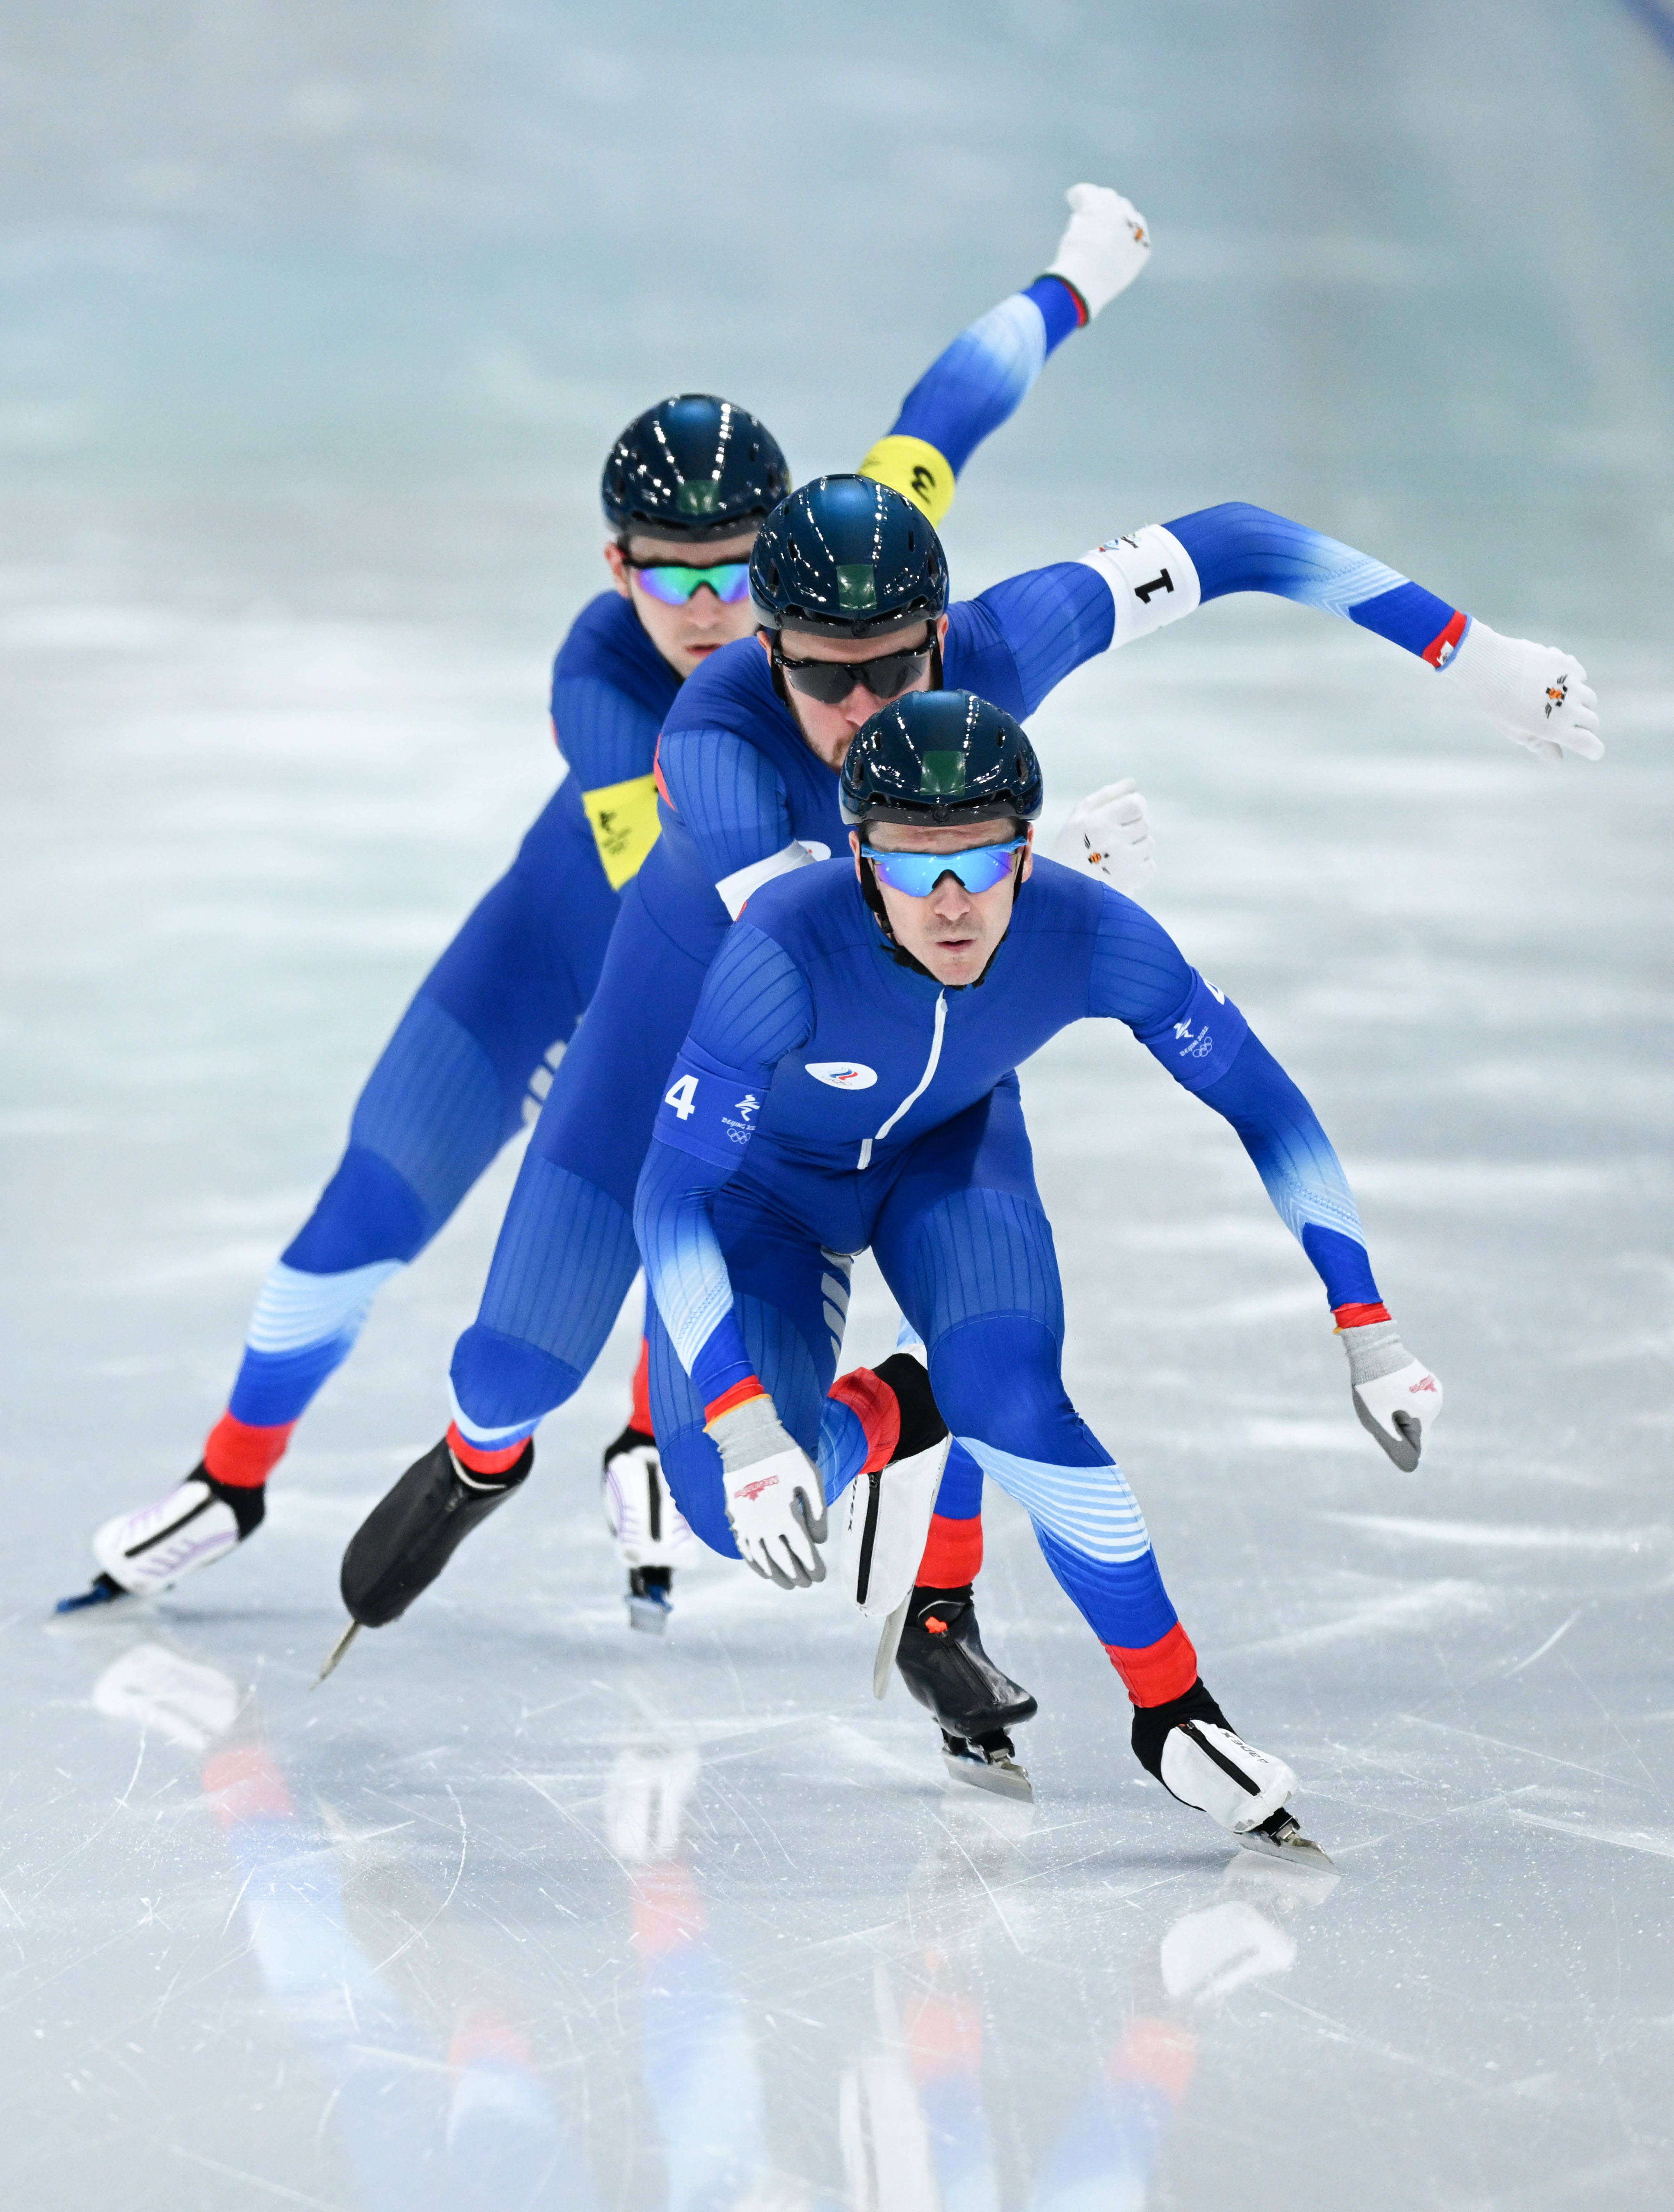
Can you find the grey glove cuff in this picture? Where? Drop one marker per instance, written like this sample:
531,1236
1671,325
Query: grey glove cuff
1374,1352
745,1434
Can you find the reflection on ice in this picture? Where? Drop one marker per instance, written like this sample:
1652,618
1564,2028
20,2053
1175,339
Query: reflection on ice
434,2092
889,2075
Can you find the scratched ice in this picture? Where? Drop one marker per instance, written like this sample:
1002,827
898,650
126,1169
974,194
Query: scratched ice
313,339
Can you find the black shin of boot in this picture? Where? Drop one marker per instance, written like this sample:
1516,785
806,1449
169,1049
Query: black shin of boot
943,1663
921,1424
1153,1722
409,1536
248,1500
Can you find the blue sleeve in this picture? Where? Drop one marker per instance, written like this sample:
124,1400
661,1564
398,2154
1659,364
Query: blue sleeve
980,381
755,1008
606,737
1048,620
1139,975
1238,548
728,796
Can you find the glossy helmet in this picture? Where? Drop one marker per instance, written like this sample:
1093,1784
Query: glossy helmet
941,757
695,467
848,556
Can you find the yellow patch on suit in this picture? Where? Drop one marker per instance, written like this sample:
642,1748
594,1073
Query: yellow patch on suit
912,466
625,824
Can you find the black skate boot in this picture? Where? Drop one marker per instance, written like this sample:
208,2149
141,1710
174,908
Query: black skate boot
1191,1748
409,1536
944,1665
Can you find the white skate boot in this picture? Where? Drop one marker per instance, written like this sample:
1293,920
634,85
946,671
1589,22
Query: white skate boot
651,1532
142,1552
1190,1747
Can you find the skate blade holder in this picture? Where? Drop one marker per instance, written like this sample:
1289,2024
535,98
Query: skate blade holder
1280,1836
648,1613
993,1767
103,1591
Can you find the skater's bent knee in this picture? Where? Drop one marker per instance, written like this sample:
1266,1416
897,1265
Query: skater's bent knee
998,1380
499,1381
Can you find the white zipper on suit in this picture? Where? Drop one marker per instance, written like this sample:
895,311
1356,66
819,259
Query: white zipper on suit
918,1090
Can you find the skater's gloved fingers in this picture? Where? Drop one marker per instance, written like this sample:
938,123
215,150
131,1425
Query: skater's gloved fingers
1107,792
1580,734
1104,246
794,1567
810,1510
1547,750
1400,1409
1404,1445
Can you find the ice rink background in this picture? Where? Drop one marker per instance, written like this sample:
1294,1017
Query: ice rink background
316,323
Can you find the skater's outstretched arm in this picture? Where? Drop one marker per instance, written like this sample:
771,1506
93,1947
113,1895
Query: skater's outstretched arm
1048,621
755,1008
1140,976
980,381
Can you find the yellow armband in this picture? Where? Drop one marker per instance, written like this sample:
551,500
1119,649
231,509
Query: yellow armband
625,824
912,466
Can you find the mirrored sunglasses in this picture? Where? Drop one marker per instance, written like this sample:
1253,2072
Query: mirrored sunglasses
673,583
918,873
831,681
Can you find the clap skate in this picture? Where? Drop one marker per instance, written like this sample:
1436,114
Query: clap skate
150,1550
943,1666
1194,1754
411,1534
650,1530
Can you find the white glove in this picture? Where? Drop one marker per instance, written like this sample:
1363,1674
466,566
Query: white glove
776,1501
1536,696
1397,1398
1103,247
1108,835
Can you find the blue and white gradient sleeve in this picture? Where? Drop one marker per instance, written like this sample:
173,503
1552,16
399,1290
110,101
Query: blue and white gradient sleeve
1140,976
755,1008
969,391
1157,574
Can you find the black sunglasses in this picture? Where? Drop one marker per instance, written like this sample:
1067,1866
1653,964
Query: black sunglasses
831,681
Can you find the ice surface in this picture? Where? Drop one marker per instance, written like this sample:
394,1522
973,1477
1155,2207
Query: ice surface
318,322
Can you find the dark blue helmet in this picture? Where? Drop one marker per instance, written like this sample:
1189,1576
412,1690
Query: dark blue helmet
936,757
695,467
848,556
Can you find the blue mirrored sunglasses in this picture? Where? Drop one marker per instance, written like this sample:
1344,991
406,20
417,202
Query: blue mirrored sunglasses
674,584
918,873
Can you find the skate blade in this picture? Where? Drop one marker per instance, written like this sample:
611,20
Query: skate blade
1004,1778
650,1615
335,1655
104,1591
1290,1847
888,1645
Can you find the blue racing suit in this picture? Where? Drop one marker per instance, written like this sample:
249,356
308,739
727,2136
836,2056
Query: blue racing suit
473,1054
829,1098
743,799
